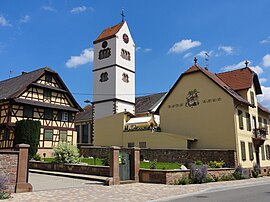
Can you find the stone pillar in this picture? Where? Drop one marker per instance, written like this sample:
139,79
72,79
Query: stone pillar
22,184
114,167
135,164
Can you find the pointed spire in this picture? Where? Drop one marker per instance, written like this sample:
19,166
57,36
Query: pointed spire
246,63
195,60
123,15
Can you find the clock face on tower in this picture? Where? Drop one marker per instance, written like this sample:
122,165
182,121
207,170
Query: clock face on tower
125,38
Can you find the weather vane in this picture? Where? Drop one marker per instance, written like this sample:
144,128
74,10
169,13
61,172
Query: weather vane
123,15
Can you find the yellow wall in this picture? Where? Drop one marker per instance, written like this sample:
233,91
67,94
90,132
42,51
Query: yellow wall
211,122
155,139
108,131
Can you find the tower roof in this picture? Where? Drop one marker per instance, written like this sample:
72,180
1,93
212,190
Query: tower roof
109,32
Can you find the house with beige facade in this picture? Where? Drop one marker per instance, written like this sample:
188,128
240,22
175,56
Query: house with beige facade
203,110
38,95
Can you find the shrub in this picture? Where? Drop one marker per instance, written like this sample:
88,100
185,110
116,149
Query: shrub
27,132
153,165
227,177
65,153
256,170
105,161
216,164
37,157
198,173
239,173
3,194
198,162
182,181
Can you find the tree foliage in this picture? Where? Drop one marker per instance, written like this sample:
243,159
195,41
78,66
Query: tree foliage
27,132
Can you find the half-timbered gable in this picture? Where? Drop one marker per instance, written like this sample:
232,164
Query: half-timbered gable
38,95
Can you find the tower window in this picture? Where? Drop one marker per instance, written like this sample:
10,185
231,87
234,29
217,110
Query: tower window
125,77
104,77
104,53
125,54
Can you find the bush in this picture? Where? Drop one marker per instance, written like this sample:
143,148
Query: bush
182,181
37,157
216,164
105,161
66,153
153,165
198,173
239,173
3,194
228,177
27,132
198,163
256,170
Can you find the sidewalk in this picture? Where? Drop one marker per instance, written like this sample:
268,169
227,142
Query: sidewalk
128,192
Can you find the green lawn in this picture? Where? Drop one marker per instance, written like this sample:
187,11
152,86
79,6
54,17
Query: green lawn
146,165
161,165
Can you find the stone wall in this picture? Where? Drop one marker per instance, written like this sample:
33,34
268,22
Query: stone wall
71,168
170,176
171,155
8,169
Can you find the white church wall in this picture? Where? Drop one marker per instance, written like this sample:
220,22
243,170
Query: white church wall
106,61
103,109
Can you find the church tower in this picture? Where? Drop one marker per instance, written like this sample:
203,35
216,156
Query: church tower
114,72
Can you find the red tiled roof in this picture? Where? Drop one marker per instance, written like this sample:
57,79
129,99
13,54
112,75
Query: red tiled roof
238,79
109,32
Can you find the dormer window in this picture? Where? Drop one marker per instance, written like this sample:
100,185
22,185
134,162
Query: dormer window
48,78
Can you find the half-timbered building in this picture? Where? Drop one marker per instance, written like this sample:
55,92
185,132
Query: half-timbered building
39,95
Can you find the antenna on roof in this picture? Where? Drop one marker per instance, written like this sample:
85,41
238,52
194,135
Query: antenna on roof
246,63
123,15
10,72
206,60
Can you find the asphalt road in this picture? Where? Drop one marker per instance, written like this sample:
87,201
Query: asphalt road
250,193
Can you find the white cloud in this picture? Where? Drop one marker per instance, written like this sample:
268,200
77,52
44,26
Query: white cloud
187,55
143,49
184,45
25,19
235,66
78,9
49,8
263,80
265,97
226,49
138,48
267,40
266,60
4,22
85,57
147,50
257,69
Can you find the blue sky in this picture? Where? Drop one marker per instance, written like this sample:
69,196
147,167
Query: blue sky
168,34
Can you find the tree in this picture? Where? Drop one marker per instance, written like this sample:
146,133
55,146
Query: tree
27,132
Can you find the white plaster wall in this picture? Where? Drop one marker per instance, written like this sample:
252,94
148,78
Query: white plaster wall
106,61
125,91
103,109
123,106
130,46
104,90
